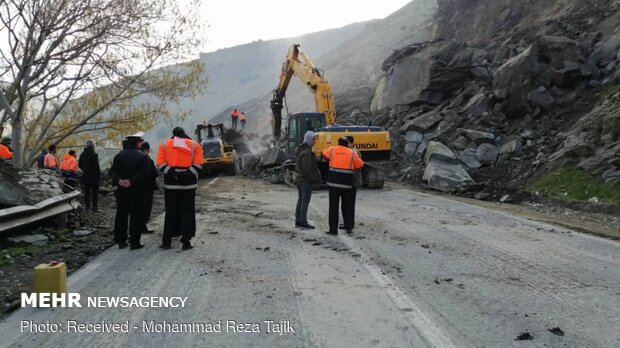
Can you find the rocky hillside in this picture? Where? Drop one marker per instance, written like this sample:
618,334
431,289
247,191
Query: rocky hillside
504,91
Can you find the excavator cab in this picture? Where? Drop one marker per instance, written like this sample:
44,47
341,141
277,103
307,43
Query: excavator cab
298,125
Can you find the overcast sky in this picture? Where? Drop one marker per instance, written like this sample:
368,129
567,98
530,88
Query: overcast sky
235,22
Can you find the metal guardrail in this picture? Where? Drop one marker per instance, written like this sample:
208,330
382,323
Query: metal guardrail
25,214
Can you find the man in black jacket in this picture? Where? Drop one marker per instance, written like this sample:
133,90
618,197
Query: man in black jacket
308,174
129,173
91,175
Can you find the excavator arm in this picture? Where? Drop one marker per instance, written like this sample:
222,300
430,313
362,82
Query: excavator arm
297,63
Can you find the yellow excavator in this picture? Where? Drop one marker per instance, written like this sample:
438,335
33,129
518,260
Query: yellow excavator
372,142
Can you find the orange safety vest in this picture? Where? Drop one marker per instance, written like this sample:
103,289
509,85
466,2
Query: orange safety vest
243,117
342,162
181,156
69,163
50,161
234,114
5,152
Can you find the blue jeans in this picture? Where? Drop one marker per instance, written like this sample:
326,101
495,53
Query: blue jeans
303,201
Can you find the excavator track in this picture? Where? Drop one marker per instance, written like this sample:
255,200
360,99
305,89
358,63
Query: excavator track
374,176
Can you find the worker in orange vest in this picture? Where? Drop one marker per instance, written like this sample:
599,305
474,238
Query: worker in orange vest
342,163
68,168
244,119
51,161
69,162
6,152
180,159
234,116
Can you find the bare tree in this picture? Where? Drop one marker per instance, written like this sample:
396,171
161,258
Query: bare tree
73,68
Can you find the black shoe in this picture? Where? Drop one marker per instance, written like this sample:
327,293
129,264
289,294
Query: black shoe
331,233
165,246
305,226
96,210
122,245
136,246
187,246
349,231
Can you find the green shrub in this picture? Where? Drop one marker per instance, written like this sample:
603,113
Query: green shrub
573,184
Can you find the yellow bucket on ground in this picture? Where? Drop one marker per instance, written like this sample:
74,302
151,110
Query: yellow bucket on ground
50,278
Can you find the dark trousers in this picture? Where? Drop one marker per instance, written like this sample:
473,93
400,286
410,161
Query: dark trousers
129,205
335,195
148,207
234,122
91,195
351,210
303,201
180,215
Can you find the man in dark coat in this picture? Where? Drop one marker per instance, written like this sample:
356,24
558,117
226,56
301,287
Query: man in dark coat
91,175
129,173
41,159
148,190
307,175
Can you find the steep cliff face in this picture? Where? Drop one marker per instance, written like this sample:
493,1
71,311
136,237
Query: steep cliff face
524,73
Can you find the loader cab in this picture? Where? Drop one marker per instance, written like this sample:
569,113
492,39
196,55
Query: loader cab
299,124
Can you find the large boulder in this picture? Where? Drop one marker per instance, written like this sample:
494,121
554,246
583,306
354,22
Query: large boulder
477,137
514,80
468,157
514,145
487,154
414,137
541,97
26,187
558,49
423,73
446,177
272,157
423,123
437,151
477,105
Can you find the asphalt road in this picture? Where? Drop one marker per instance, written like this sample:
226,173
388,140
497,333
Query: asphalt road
419,271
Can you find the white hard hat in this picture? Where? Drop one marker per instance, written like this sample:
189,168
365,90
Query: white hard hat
139,135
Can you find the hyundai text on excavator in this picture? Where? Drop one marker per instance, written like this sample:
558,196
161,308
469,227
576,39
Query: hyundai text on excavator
372,142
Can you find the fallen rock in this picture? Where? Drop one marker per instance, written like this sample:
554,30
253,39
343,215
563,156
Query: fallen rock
522,68
446,177
272,157
556,331
541,97
34,239
512,146
559,49
477,137
468,157
411,149
505,199
81,233
414,137
477,105
524,336
437,151
423,122
460,143
487,154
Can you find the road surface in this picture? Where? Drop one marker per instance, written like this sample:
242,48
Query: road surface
420,271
